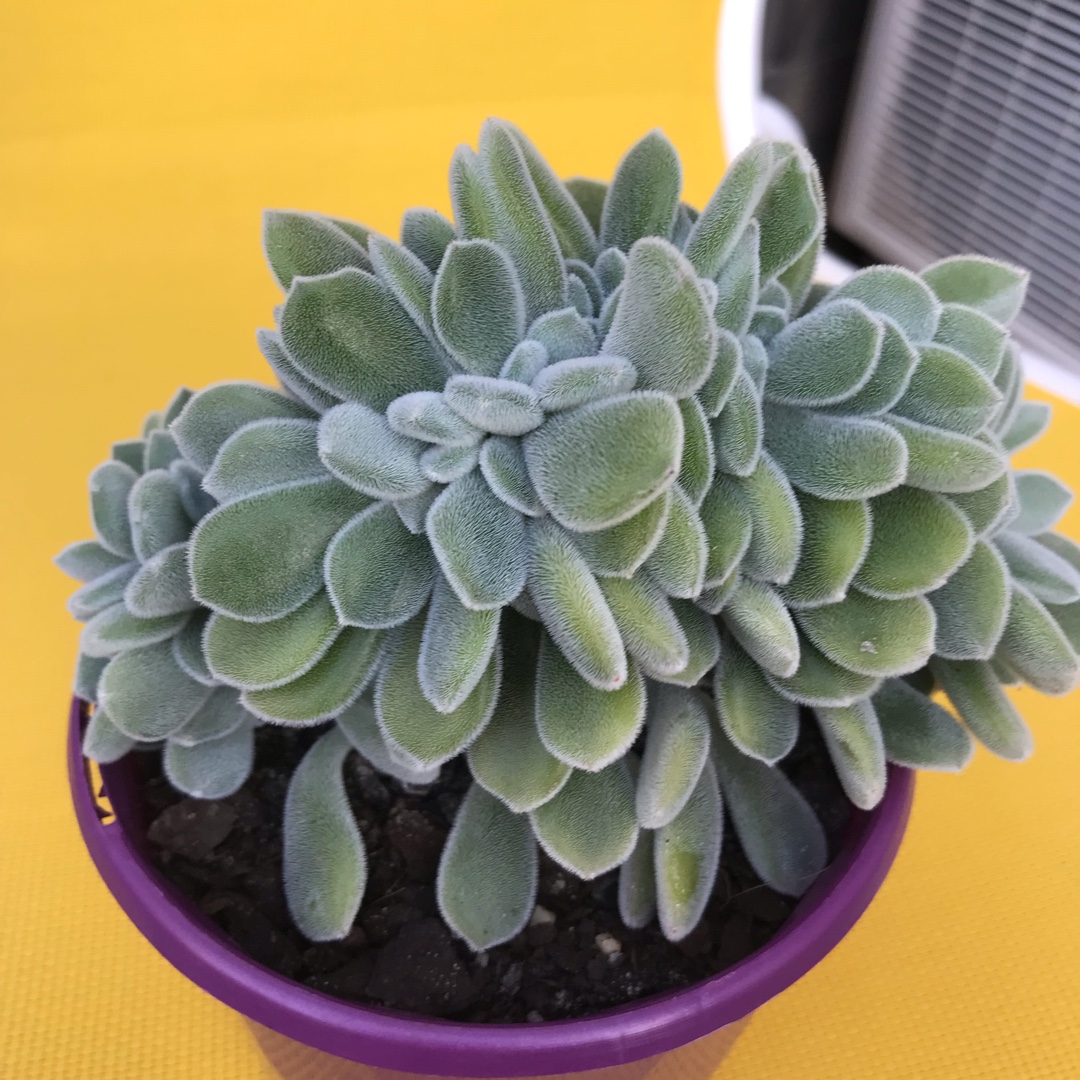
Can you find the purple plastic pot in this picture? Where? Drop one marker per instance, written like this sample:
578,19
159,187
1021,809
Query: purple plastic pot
307,1034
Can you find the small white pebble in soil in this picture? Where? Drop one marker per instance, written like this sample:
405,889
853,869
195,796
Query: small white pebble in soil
541,916
868,646
534,1017
558,885
608,945
481,960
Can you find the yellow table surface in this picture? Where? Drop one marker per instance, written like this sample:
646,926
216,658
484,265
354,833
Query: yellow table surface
138,143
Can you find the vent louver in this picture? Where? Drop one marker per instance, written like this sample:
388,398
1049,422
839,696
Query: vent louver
964,135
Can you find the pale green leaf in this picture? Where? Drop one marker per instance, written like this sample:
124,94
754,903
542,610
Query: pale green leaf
324,865
598,465
676,750
496,405
86,560
486,886
704,640
265,454
947,390
939,460
648,626
589,195
589,827
527,360
103,741
359,724
737,283
836,537
762,625
728,523
261,557
677,563
323,691
88,671
427,234
994,288
569,383
565,334
855,744
896,364
974,690
901,295
644,193
1032,419
713,396
290,376
187,649
162,585
871,636
637,884
739,429
221,714
115,629
1035,647
777,527
157,515
1043,500
104,591
972,606
306,245
990,508
699,454
445,464
621,550
213,769
110,485
1049,576
502,462
919,733
974,335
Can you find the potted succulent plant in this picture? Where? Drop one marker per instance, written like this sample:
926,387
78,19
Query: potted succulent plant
569,521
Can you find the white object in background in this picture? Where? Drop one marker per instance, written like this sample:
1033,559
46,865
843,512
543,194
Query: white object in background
746,113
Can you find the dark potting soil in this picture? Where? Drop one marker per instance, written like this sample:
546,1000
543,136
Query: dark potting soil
575,957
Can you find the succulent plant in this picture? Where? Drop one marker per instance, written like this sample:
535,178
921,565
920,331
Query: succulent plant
140,653
601,494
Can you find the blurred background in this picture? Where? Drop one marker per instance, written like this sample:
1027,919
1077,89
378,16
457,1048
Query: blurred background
139,142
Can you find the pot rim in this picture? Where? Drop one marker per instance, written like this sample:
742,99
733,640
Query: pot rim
408,1043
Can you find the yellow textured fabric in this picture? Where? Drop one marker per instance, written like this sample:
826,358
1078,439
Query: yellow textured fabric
138,142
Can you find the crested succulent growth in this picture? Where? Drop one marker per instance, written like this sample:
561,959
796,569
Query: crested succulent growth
608,497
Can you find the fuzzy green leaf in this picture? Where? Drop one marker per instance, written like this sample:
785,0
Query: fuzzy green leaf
598,465
871,636
897,360
265,454
496,405
290,376
974,690
573,227
940,460
471,196
972,606
569,383
161,451
104,591
727,522
187,649
508,759
834,457
994,288
677,563
1049,576
579,724
257,656
88,671
213,769
791,213
334,683
527,360
486,886
758,720
115,629
103,741
130,452
783,839
855,744
161,586
761,624
1032,419
589,827
410,281
215,413
644,193
704,640
445,464
975,336
737,283
221,714
990,508
427,234
821,682
621,550
723,221
776,536
918,539
588,281
261,557
589,195
359,724
502,462
824,357
1035,647
946,390
479,542
157,515
324,866
919,733
676,750
306,245
1043,500
350,336
412,727
378,574
479,306
713,396
565,334
522,226
188,480
86,560
836,537
687,857
647,623
663,325
358,446
110,485
699,454
146,695
897,293
637,884
455,650
739,429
